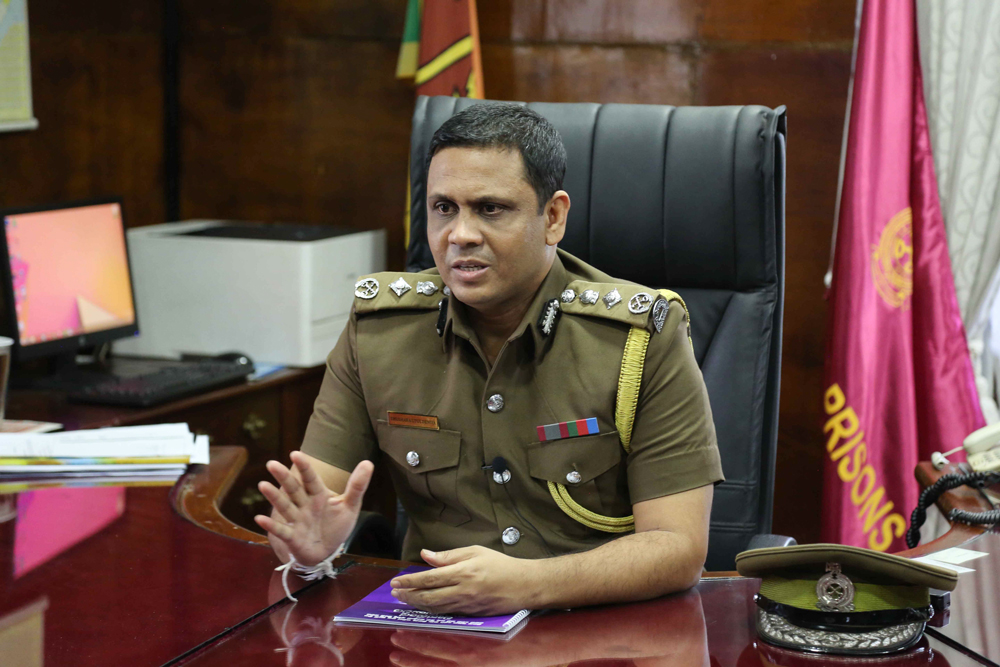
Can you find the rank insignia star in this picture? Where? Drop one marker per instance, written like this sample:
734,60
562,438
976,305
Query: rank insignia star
400,286
568,295
589,297
612,299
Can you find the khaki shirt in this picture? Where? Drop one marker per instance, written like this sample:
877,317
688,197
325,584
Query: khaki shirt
391,358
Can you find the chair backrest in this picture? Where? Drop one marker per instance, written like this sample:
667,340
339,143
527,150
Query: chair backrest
692,199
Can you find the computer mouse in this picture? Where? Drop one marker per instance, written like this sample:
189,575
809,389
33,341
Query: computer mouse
235,357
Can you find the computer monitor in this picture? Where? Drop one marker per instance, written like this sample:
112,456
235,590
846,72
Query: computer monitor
66,278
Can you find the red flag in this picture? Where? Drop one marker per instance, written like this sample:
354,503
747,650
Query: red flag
899,381
441,52
450,62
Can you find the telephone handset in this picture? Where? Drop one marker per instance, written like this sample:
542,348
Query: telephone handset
982,448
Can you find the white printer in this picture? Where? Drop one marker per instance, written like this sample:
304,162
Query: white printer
279,293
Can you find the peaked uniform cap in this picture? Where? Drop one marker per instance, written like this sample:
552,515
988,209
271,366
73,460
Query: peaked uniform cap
831,598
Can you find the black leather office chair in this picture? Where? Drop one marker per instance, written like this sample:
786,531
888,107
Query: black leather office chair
691,199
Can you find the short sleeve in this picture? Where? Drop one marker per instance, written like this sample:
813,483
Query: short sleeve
339,431
673,446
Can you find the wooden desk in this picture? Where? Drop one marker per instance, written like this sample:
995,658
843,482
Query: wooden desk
153,588
143,590
709,625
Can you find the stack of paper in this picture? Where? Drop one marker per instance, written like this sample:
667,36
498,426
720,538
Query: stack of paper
156,454
952,559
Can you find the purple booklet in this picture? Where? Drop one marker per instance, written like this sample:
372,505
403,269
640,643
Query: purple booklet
380,608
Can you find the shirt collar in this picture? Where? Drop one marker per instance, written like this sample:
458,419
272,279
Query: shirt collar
457,320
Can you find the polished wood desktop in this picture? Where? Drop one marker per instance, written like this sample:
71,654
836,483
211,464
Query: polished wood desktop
154,588
142,591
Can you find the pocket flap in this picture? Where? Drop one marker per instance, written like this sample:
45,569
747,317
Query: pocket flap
434,449
589,455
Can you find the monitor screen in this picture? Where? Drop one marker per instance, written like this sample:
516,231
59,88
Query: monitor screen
69,275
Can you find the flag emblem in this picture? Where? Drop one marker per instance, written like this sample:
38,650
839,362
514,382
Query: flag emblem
892,261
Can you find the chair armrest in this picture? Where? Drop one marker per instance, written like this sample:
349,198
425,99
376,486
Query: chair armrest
765,540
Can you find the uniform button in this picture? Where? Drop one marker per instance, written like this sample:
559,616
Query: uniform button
413,459
511,536
501,477
494,403
574,477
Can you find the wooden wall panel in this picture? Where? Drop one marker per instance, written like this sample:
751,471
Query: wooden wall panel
589,21
98,100
546,73
804,22
371,19
100,17
295,130
813,84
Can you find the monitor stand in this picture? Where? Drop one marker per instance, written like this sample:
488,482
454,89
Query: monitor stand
62,373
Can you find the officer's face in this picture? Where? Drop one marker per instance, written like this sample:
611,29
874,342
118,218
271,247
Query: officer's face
490,242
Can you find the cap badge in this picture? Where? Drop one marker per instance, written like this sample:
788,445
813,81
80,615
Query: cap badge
400,286
640,303
660,309
567,296
426,287
835,592
366,289
612,298
590,297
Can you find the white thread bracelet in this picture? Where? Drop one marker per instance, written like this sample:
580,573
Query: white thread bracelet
324,568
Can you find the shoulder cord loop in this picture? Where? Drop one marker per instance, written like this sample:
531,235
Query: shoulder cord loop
625,404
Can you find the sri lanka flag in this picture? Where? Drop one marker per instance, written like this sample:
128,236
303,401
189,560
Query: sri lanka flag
899,383
441,48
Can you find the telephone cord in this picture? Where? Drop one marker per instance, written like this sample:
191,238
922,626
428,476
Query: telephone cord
945,483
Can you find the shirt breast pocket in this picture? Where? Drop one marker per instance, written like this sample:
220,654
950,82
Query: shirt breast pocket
590,467
424,466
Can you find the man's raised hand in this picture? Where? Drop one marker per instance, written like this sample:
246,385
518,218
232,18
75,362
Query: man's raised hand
310,521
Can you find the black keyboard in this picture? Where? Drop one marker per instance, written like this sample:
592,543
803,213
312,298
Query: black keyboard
162,385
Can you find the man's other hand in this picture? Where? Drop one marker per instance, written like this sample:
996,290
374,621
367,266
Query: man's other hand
310,521
471,580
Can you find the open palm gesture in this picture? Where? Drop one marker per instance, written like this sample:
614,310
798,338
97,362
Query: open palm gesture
310,520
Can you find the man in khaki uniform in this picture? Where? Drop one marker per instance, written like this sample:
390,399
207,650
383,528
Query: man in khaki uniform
489,385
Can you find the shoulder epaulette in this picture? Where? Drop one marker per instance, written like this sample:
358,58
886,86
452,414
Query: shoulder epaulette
389,290
628,303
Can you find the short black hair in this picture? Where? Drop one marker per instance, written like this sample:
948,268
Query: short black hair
506,125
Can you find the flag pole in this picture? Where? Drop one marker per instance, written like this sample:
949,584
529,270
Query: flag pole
828,277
